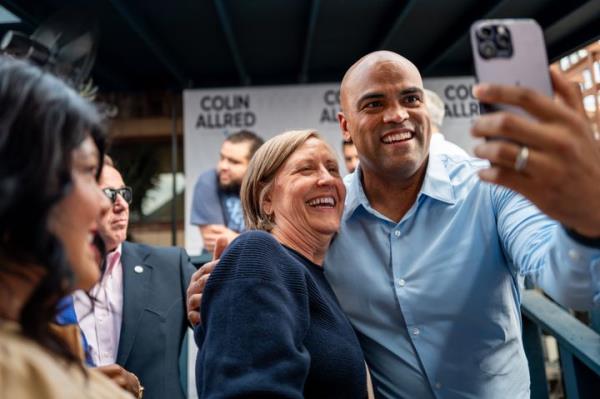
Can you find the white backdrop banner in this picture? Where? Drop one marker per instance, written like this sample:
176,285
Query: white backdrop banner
211,115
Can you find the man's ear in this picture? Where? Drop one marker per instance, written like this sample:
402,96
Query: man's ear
343,122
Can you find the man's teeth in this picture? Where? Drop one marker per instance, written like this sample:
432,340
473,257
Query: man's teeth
329,201
90,237
392,138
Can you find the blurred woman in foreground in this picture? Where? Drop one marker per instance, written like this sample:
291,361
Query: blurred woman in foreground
271,325
51,149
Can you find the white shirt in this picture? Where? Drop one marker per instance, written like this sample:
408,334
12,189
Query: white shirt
439,145
101,323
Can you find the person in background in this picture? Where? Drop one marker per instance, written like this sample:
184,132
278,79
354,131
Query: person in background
51,147
136,327
350,155
437,111
272,326
216,208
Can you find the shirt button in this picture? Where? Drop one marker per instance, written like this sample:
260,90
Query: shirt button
574,255
397,233
416,331
438,385
401,282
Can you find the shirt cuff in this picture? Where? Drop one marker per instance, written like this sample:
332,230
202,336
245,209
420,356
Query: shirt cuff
584,255
578,251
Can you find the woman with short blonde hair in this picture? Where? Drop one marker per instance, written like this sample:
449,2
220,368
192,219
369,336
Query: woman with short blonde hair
271,325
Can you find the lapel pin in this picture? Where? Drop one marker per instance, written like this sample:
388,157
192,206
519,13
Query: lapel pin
138,269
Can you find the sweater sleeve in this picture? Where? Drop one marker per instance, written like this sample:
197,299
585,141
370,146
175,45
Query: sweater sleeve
254,319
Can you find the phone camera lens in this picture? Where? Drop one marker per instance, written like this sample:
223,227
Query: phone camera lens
487,49
503,40
485,33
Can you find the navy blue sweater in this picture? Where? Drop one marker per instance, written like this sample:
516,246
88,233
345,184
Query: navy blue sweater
272,327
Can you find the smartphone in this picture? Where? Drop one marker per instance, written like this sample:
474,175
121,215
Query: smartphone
510,52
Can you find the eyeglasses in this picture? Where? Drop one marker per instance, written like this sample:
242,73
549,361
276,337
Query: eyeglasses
124,192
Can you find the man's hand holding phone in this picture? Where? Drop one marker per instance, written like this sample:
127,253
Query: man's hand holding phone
560,172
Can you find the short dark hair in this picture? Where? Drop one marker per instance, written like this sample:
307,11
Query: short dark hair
246,136
42,121
347,142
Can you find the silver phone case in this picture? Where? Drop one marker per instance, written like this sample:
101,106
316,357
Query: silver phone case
528,65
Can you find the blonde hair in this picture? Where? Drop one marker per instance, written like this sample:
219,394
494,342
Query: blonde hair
261,172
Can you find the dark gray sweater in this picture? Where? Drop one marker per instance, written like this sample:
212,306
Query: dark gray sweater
272,327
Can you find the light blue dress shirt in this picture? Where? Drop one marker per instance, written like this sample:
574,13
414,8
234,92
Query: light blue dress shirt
435,298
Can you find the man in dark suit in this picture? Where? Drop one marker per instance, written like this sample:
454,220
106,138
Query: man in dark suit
136,327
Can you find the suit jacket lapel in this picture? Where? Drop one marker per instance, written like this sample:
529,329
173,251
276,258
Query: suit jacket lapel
136,291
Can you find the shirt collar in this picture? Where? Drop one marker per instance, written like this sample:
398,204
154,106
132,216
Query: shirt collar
112,258
436,185
355,195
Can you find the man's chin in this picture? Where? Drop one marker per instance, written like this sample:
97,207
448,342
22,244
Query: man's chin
115,239
230,188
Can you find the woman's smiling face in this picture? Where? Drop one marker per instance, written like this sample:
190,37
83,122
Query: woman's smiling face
307,197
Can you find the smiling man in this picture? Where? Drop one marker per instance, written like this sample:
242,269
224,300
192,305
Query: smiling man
432,287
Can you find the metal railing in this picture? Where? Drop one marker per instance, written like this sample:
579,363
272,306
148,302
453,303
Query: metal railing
578,347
